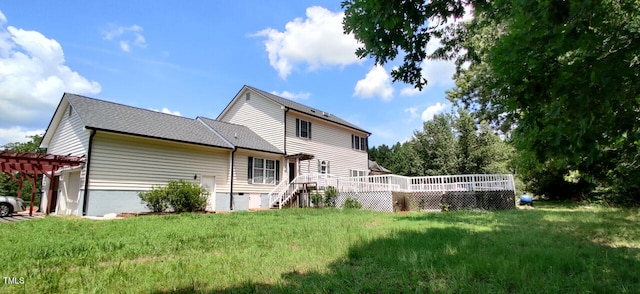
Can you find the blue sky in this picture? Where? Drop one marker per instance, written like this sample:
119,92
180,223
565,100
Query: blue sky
190,58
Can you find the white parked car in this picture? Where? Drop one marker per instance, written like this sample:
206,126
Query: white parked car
9,205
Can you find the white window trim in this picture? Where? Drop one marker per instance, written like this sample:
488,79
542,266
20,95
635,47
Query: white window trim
357,173
359,143
264,170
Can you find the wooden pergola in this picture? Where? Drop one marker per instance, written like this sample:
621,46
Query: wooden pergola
29,165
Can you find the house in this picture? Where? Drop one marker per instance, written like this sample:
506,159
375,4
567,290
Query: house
258,142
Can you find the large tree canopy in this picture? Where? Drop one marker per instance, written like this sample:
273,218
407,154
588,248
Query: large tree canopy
565,75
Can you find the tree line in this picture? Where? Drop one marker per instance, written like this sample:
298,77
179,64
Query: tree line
561,77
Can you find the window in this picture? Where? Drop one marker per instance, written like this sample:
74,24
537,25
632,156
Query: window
303,128
357,173
359,143
247,96
324,167
263,171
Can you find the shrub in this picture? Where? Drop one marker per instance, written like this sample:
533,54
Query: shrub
330,196
155,199
316,199
180,195
186,196
351,203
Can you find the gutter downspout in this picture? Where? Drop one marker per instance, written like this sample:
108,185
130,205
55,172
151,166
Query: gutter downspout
231,176
86,174
285,130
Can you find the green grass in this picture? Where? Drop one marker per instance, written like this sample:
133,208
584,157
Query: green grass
550,249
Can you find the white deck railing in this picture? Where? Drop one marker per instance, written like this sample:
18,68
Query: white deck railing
394,183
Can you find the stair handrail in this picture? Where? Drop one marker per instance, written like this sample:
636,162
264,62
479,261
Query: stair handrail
277,193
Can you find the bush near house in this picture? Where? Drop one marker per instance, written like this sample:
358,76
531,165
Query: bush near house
330,196
179,195
351,203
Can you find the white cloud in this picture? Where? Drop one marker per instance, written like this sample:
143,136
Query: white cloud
432,110
316,41
292,95
409,91
412,111
125,46
126,36
17,134
377,82
167,111
33,77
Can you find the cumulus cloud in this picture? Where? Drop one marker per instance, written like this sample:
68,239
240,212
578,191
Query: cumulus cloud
315,41
412,111
377,82
167,111
126,36
17,134
33,77
432,110
292,95
409,91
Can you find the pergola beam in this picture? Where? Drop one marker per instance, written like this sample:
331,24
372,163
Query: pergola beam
30,164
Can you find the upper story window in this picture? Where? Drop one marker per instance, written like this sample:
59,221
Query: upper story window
359,143
303,128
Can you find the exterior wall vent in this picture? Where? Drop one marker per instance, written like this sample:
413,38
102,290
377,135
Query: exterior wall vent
247,96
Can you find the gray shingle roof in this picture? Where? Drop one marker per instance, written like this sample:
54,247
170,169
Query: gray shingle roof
306,109
377,167
114,117
240,136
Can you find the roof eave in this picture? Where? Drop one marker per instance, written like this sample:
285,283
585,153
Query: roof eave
330,121
157,138
54,122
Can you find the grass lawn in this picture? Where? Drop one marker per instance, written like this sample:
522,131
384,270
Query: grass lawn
549,249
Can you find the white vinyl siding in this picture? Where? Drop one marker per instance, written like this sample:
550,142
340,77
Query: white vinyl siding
122,162
70,136
330,143
241,183
262,116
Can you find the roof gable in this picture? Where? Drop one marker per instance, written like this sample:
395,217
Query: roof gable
108,116
294,106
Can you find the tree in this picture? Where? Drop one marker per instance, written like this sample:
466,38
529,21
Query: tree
563,75
435,144
468,160
405,160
